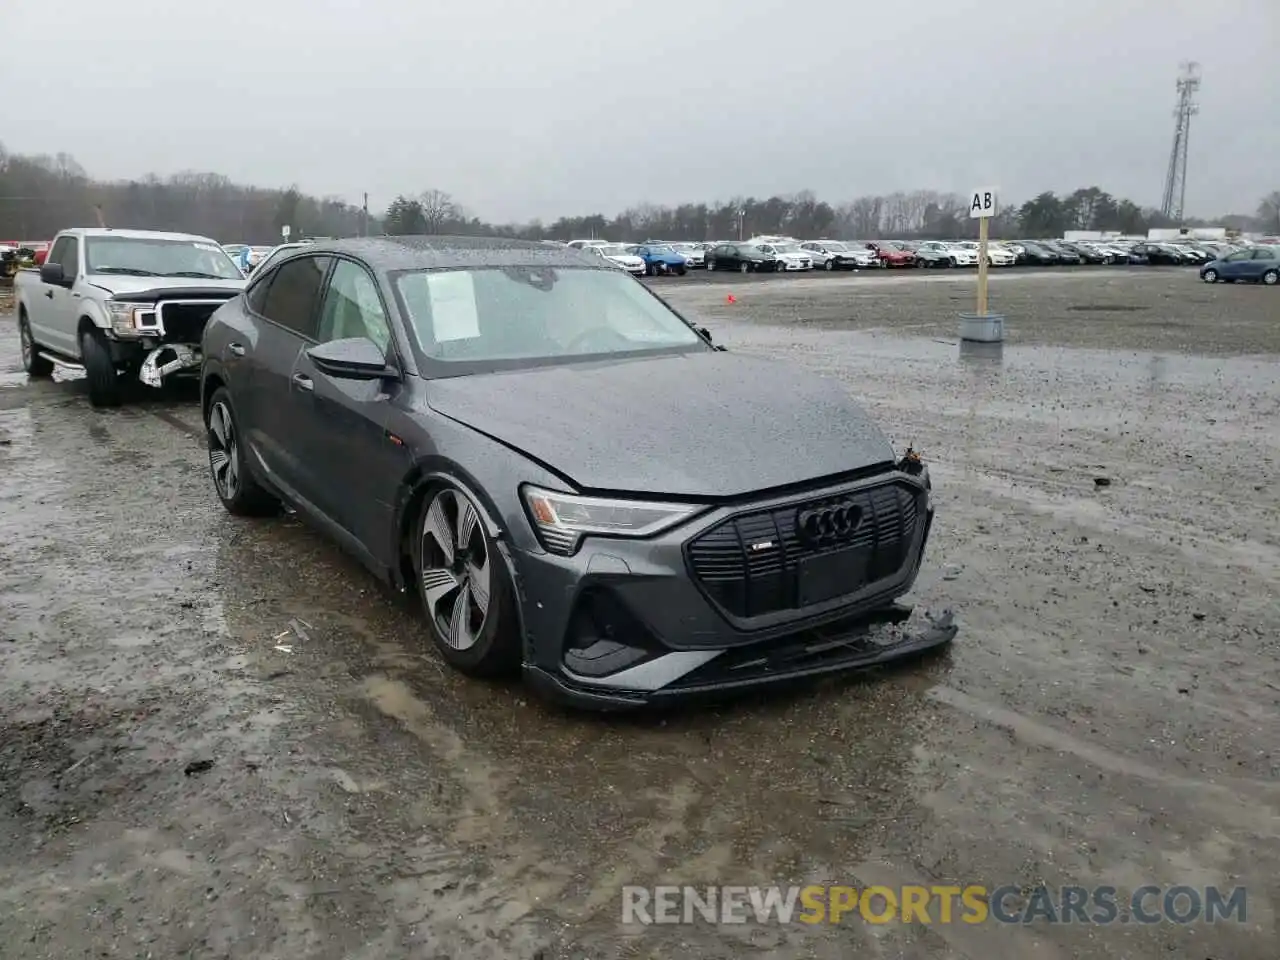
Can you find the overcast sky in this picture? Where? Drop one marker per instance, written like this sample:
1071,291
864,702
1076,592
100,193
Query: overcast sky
536,108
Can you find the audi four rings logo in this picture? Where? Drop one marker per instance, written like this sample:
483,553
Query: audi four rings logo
829,524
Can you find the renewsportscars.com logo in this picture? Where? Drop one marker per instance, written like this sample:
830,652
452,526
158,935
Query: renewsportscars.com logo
972,903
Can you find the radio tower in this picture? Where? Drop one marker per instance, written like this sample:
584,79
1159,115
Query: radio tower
1175,182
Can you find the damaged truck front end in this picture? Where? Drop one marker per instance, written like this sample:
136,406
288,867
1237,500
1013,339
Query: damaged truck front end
158,332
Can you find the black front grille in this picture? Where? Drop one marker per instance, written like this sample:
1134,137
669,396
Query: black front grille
185,322
749,564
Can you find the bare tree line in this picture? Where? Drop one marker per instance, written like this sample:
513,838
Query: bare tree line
40,195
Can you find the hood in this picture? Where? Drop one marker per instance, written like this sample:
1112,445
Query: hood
154,287
708,425
629,259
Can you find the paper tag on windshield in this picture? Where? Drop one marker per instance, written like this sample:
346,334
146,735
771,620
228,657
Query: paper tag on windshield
453,306
208,248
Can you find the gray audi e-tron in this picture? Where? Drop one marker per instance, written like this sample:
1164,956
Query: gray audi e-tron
576,481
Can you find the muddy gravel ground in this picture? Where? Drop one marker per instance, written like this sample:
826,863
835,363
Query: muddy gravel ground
221,738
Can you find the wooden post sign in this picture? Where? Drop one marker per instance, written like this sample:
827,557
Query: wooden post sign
982,207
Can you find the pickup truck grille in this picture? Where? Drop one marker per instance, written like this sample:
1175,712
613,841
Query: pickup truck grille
184,322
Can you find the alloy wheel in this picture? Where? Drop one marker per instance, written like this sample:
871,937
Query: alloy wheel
455,569
224,452
1211,276
24,340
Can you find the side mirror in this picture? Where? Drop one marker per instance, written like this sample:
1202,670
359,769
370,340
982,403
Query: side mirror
706,334
352,358
52,273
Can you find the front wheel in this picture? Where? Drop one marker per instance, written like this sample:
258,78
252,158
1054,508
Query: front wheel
1210,276
829,265
32,362
711,264
1271,277
100,370
681,271
465,589
239,491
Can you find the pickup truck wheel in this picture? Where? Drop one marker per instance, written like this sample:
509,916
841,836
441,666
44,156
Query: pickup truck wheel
235,485
100,370
32,362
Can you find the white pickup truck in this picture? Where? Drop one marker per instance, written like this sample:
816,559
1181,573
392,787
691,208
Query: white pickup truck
118,303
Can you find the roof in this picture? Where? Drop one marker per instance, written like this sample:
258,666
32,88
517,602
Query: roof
424,252
138,234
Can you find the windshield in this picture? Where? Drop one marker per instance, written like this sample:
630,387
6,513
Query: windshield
835,246
613,250
786,248
535,313
138,257
660,248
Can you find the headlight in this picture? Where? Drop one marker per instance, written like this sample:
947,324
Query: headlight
124,317
561,520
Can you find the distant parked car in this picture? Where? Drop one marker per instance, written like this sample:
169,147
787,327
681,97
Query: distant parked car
1260,265
1035,255
891,256
616,253
660,258
743,257
836,255
695,254
1084,251
1159,254
579,244
790,255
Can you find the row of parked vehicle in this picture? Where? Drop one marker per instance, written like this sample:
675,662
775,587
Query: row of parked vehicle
785,254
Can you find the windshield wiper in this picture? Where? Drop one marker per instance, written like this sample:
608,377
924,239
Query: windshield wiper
127,271
197,274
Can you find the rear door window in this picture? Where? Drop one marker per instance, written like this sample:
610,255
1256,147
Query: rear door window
294,294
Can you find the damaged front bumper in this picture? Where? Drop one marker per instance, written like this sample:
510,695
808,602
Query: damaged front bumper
165,360
857,643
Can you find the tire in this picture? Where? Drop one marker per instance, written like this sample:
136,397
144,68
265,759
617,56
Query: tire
681,271
745,266
477,637
233,481
711,264
32,362
1271,277
100,370
1210,276
649,270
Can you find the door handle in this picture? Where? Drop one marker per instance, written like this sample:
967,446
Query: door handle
303,381
49,294
236,349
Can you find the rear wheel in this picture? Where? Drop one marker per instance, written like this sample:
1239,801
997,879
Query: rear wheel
711,264
465,588
32,362
830,265
100,370
745,266
1271,277
235,485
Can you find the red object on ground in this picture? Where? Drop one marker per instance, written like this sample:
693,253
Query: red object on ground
731,299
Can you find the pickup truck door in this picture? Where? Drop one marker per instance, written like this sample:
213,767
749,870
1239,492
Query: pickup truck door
54,311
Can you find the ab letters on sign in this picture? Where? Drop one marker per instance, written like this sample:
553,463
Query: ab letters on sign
982,204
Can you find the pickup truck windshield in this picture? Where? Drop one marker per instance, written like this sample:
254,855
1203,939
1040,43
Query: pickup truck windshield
135,256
